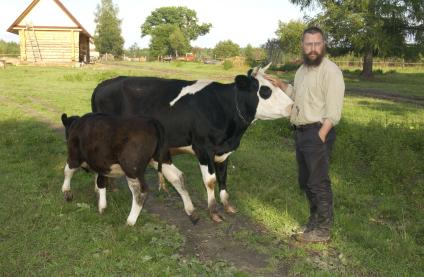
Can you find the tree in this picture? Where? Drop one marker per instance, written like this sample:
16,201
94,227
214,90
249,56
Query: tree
10,48
253,56
369,28
107,36
185,19
273,51
225,49
290,35
168,40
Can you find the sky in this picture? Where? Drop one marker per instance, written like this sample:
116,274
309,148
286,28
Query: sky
242,21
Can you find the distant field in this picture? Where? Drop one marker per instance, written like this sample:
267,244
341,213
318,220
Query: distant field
377,173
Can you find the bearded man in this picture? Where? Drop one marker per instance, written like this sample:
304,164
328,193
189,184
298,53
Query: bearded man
318,93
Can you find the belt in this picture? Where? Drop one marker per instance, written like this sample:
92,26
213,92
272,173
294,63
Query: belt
305,127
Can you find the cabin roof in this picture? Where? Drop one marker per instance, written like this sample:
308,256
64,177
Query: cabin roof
15,25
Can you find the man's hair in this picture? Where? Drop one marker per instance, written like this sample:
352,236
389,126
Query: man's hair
313,30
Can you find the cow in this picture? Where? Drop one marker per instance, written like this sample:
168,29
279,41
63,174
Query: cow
203,118
112,146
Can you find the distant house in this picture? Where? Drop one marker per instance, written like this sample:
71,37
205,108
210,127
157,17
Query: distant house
49,33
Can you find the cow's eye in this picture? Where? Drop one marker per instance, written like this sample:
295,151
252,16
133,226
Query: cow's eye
265,92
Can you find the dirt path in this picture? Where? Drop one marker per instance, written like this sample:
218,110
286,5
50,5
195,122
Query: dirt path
381,94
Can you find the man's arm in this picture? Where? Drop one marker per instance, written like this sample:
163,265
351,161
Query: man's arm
325,128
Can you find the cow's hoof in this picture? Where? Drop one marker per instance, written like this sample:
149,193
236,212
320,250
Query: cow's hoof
194,218
230,209
68,195
216,217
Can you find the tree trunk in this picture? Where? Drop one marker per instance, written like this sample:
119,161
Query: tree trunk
367,65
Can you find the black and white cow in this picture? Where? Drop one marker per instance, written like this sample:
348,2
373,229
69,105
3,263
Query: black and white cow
112,146
203,118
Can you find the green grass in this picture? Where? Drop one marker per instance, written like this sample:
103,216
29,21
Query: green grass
377,173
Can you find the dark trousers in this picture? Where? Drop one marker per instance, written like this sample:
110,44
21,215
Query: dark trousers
313,159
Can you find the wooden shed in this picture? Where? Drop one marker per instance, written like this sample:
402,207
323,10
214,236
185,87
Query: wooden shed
49,33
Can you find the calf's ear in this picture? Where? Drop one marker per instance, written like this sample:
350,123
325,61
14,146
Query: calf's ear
64,119
242,82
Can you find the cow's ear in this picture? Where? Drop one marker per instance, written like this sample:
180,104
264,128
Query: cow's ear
242,82
249,72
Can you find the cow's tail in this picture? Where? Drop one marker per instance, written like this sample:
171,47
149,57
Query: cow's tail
161,151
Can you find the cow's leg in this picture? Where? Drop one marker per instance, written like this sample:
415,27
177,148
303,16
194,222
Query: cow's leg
221,175
139,192
66,187
176,178
101,184
209,180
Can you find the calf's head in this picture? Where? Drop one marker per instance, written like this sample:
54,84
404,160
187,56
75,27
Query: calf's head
273,103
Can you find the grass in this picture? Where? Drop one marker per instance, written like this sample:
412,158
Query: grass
377,173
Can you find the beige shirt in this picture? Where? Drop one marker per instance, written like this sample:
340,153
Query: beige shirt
317,93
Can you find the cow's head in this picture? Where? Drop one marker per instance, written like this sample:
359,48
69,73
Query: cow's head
68,122
273,102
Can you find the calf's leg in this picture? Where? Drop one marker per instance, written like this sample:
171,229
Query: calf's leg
66,187
139,193
101,185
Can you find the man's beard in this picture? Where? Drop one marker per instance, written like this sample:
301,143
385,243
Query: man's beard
307,61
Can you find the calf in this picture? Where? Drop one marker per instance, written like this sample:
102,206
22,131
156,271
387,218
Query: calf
113,146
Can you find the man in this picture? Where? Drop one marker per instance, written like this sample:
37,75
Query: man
318,93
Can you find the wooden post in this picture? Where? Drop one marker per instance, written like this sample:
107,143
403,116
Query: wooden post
73,45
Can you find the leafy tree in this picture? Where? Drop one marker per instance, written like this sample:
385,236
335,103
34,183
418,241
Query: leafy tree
185,19
290,35
107,36
10,48
253,56
225,49
167,40
135,51
369,28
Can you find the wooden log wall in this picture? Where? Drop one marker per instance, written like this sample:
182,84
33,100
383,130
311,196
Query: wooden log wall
53,46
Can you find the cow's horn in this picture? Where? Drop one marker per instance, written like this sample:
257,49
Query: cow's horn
266,67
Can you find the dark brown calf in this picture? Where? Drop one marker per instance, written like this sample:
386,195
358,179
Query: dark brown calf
113,146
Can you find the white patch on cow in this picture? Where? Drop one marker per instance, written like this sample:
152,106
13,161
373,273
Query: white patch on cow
277,105
68,172
192,89
222,158
176,178
223,194
102,200
115,171
134,185
209,181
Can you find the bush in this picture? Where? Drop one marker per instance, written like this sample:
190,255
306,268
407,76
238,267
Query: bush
228,65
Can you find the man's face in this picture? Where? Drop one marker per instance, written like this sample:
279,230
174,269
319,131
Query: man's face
313,49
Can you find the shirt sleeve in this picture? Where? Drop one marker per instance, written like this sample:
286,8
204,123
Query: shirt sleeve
334,95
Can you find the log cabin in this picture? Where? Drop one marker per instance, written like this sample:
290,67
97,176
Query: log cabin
56,38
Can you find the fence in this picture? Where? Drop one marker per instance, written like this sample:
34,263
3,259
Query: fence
379,64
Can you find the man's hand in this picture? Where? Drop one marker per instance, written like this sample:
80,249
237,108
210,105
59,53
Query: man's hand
325,128
277,82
